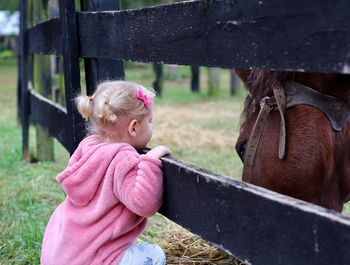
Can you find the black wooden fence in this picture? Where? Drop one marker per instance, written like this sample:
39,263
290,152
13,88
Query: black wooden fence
252,223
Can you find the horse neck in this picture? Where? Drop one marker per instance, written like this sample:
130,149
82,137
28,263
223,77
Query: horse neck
337,85
337,191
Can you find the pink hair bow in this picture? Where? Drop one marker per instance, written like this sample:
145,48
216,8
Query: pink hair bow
143,97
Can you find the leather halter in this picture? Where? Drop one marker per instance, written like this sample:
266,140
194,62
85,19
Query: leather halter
291,94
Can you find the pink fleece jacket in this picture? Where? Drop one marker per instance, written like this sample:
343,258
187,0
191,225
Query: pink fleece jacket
111,190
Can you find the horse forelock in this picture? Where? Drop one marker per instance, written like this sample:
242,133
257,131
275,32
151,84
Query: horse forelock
260,84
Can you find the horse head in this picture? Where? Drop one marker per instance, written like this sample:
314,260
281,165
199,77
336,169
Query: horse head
303,148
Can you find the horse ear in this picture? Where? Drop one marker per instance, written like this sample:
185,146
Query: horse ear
243,74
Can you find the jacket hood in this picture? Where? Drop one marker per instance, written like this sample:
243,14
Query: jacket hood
86,168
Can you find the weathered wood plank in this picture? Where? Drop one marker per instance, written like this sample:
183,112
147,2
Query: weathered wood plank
98,70
46,37
264,34
71,70
51,116
25,101
298,35
42,83
195,78
252,223
159,78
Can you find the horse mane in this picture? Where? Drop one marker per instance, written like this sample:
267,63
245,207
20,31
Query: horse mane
259,84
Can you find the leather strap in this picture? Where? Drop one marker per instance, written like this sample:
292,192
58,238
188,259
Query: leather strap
280,98
249,156
267,104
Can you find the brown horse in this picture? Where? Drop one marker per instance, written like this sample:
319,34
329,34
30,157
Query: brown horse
314,162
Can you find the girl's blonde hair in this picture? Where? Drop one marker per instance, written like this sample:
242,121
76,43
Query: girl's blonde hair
112,100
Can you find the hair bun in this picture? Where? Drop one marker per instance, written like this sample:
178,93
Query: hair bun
84,105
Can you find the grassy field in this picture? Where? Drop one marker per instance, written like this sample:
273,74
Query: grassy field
198,129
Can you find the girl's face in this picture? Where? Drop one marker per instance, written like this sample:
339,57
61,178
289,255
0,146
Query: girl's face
145,131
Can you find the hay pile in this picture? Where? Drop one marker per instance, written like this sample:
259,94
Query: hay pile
183,248
212,127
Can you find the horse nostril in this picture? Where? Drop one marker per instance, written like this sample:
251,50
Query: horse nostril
240,149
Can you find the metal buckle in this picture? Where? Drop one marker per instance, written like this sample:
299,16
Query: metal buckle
268,101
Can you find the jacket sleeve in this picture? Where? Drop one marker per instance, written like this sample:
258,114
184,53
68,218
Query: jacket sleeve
138,183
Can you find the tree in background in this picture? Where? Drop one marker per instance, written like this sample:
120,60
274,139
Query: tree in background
42,81
13,5
141,3
213,81
9,5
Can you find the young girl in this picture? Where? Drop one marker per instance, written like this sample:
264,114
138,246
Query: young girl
111,189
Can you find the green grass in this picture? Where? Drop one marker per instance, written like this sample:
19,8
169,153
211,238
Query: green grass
177,86
28,192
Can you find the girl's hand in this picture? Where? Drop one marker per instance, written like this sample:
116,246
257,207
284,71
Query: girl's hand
159,151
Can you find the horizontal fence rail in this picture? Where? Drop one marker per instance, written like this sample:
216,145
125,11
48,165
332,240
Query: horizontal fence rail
51,116
252,223
263,34
46,37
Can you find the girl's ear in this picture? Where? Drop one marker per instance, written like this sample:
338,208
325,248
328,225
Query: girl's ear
133,128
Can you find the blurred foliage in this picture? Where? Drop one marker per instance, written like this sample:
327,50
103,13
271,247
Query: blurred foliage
127,4
14,4
7,54
9,5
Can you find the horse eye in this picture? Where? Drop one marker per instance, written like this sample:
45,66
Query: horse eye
240,149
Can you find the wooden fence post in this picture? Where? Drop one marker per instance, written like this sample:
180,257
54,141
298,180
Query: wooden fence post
97,70
195,79
76,125
158,82
25,107
57,88
213,81
42,84
19,92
